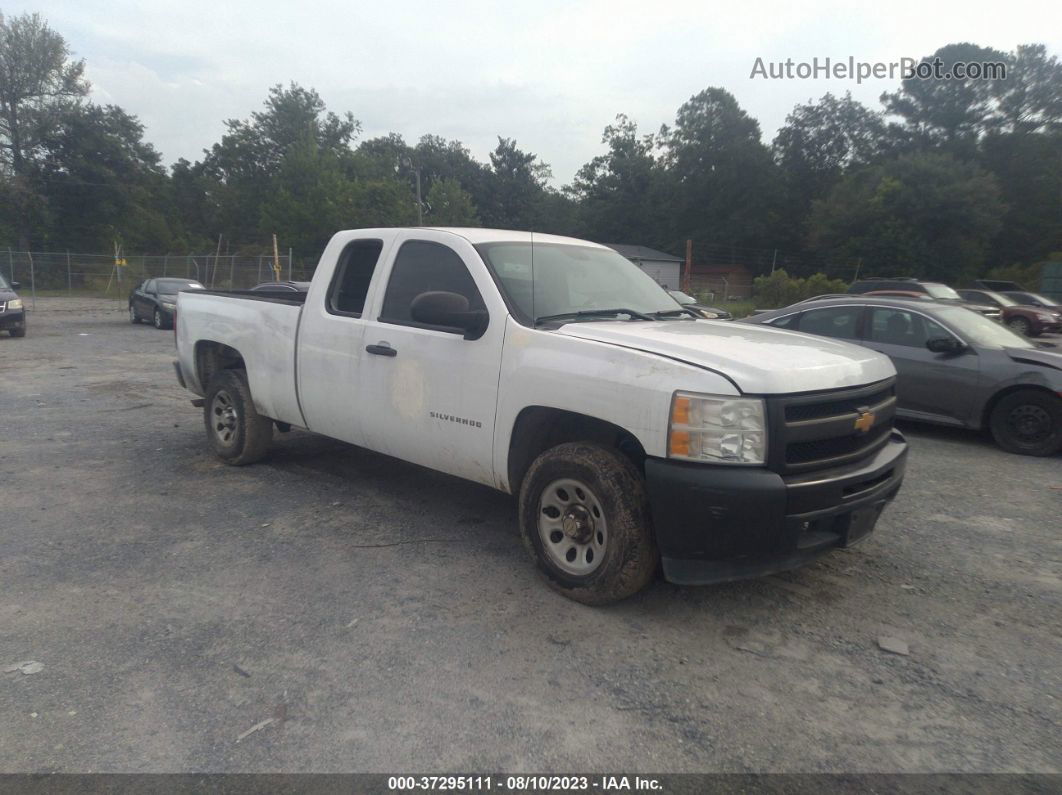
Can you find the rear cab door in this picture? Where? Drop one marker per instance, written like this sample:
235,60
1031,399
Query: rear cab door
430,395
330,348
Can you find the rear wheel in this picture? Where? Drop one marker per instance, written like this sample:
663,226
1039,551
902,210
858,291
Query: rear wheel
1028,422
235,429
584,517
1019,325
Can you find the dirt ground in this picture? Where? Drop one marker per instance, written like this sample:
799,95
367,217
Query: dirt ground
369,615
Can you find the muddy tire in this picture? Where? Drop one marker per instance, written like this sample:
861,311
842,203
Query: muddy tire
584,518
1028,422
238,434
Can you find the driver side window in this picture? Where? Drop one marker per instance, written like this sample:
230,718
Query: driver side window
422,266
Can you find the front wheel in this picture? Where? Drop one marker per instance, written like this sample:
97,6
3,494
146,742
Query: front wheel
19,330
234,428
1028,422
1019,325
160,321
132,315
584,518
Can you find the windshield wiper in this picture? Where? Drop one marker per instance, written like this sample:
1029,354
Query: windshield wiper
595,313
675,313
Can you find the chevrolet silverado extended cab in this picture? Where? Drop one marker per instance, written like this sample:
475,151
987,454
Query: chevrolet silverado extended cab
632,432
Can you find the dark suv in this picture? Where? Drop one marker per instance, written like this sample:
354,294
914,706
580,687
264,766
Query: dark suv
935,290
12,313
1027,320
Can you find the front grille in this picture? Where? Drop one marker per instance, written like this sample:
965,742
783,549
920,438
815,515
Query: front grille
818,430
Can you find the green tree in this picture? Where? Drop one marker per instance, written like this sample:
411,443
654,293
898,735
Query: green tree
450,205
515,187
724,181
1030,99
927,215
37,80
951,113
622,193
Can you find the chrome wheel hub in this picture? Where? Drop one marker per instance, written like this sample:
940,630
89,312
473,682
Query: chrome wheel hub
224,418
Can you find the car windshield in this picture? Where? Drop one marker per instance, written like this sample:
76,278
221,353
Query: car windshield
172,288
977,329
941,291
1002,300
1043,299
3,283
571,279
681,297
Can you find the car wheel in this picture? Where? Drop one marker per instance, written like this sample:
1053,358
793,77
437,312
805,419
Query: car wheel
1019,325
19,330
132,315
584,518
234,428
160,320
1028,422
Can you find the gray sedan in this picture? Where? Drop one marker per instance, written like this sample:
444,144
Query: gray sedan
954,367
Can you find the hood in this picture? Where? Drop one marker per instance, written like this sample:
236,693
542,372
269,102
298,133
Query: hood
1035,356
759,360
7,295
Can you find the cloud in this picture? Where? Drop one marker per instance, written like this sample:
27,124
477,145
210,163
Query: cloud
549,73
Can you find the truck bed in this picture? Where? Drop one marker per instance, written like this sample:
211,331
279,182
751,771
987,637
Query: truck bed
263,327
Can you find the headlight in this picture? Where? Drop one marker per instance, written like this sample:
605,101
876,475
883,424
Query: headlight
709,315
14,303
1045,316
719,430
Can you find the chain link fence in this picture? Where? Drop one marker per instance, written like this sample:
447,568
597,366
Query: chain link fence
102,275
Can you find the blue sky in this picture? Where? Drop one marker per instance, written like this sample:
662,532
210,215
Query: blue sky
550,74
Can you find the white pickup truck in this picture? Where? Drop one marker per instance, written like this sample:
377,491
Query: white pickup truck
633,433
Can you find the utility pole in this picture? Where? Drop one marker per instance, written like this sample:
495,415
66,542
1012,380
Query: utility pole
276,259
774,260
408,163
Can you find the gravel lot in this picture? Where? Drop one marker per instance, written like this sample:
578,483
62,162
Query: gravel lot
386,618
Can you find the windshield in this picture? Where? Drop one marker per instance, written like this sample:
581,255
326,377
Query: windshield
172,288
1002,300
681,297
3,283
979,330
572,278
941,291
1043,299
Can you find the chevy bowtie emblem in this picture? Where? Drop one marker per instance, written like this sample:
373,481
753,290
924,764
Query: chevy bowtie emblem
865,421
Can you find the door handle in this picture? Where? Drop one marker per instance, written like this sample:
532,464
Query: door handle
383,349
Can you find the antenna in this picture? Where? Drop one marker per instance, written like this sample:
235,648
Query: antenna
534,317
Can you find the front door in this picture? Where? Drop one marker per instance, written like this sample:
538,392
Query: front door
431,395
937,386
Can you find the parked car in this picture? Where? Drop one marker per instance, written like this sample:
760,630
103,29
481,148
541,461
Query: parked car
899,294
935,290
156,300
704,310
1034,299
953,367
633,434
12,312
284,287
1027,320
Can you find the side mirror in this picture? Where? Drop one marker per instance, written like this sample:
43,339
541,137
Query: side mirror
449,310
945,345
15,285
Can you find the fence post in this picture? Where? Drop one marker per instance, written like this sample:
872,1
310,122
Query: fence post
259,278
289,264
33,279
11,265
165,263
232,265
69,280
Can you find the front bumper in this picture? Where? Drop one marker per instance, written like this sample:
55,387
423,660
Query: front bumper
13,318
719,523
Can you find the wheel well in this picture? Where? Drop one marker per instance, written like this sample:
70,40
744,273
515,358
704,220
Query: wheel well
211,357
539,428
993,401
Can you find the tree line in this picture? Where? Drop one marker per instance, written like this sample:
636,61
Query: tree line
945,180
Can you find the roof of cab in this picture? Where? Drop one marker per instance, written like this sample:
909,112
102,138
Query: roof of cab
476,235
